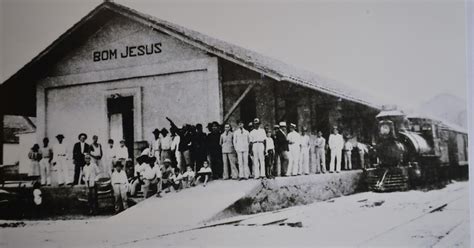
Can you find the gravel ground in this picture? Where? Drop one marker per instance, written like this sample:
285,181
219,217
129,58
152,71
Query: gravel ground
436,218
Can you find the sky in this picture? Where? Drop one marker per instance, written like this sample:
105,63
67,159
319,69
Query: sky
402,52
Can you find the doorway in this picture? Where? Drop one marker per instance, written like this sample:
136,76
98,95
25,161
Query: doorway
120,115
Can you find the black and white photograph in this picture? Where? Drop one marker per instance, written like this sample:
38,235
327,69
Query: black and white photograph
235,123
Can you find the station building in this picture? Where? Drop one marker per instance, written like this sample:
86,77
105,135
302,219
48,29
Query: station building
119,73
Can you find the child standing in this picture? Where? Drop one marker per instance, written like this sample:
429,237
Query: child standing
90,172
120,186
269,155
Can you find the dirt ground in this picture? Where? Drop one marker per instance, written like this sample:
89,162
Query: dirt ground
436,218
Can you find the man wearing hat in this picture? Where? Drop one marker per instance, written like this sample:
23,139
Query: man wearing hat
281,147
215,150
80,148
336,143
199,149
120,186
60,160
257,140
294,141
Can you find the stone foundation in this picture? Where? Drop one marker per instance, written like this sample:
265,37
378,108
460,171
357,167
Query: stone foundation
293,191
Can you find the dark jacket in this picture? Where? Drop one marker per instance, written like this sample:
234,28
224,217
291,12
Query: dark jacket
77,156
281,142
213,143
199,148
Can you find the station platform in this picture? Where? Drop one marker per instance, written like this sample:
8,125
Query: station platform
191,209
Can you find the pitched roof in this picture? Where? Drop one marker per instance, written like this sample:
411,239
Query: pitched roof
270,67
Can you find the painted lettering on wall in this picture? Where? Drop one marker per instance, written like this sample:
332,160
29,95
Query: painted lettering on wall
127,52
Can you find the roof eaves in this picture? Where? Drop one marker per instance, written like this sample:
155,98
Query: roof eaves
329,91
161,26
180,33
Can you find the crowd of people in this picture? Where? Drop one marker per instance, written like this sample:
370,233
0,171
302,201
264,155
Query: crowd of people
187,156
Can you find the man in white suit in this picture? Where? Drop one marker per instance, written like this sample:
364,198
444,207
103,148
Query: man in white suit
336,143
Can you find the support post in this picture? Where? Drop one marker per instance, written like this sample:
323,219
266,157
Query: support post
239,100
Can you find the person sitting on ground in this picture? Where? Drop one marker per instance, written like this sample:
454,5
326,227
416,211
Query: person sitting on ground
188,177
204,173
178,179
120,185
167,172
149,175
171,181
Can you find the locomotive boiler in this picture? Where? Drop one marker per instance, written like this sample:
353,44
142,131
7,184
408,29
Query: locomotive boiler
414,151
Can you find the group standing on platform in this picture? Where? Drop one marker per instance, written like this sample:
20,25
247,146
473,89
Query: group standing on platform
186,156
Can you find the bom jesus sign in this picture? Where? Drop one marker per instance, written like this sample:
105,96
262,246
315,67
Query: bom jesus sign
127,52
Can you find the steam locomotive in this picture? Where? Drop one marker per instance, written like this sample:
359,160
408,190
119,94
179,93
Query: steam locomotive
416,151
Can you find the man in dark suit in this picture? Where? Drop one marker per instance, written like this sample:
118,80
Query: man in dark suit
80,148
281,147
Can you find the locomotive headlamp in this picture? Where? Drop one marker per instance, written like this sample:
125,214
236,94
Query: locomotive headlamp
384,129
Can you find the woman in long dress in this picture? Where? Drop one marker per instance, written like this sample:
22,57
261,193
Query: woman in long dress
35,156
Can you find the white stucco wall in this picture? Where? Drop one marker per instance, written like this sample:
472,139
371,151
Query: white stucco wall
11,153
181,82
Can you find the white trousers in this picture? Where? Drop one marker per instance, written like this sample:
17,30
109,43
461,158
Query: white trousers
304,161
258,160
293,163
62,170
45,171
120,195
335,155
243,161
321,159
347,160
229,159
